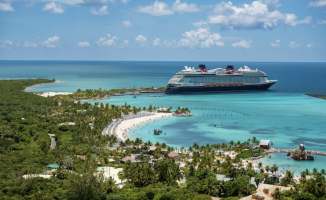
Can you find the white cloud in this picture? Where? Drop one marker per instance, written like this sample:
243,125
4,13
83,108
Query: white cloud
6,7
319,3
29,44
310,45
82,2
242,44
141,40
101,11
125,1
293,45
201,23
127,23
259,14
184,7
201,37
211,41
51,42
107,41
276,44
321,22
5,43
170,44
161,8
290,20
124,43
157,9
53,8
157,42
83,44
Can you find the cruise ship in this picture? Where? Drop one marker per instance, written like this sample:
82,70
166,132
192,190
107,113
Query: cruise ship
201,80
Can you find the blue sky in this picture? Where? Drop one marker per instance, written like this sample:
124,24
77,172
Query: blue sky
163,30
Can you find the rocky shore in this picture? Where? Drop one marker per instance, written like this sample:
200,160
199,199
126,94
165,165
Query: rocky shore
182,114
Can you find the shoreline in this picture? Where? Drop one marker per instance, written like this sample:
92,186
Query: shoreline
51,94
125,126
38,85
320,96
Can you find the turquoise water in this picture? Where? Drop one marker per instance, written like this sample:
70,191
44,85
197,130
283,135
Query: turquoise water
283,114
287,119
298,166
293,77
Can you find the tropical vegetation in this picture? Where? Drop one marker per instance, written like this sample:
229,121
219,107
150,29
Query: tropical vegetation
27,119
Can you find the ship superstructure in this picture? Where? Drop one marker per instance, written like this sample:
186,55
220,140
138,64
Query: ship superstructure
201,80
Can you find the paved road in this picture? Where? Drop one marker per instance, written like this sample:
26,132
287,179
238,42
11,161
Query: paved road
53,142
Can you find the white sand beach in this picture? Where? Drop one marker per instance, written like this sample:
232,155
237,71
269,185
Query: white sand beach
51,94
126,125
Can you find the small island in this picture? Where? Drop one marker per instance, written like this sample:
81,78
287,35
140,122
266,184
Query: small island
182,112
322,96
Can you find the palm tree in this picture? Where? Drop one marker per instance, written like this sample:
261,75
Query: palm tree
111,185
259,178
215,169
249,166
157,144
250,173
192,170
314,171
274,168
182,148
289,177
232,143
260,165
267,168
121,176
277,194
316,185
254,140
210,186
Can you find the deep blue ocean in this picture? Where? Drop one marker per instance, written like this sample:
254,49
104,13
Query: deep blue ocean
283,114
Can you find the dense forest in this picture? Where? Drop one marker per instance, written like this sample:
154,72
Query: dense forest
26,119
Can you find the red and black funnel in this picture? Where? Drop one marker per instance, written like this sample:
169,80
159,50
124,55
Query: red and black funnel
202,68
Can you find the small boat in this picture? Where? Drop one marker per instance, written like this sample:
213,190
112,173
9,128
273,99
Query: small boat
134,97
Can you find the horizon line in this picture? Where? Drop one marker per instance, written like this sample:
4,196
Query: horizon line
170,61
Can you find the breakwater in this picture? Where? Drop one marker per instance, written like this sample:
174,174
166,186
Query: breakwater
313,152
274,150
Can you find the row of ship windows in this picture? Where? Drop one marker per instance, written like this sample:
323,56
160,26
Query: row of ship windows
251,79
